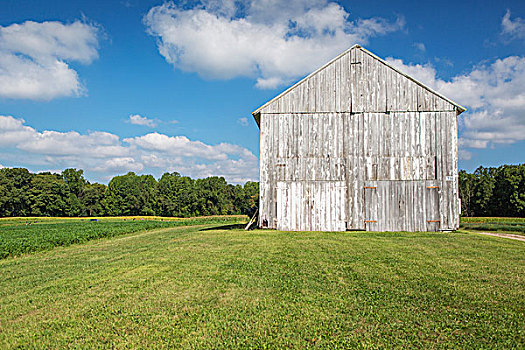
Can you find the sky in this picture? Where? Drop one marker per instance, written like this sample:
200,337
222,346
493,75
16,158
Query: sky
164,86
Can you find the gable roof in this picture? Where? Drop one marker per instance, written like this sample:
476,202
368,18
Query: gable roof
458,107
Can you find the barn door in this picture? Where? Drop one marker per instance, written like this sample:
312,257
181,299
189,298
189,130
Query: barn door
311,205
402,206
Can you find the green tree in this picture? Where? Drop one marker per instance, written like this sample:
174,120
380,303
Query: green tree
251,192
509,190
15,184
75,180
49,195
482,204
93,199
131,195
466,192
212,196
176,195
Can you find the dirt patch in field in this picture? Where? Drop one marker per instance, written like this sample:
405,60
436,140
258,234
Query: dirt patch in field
504,235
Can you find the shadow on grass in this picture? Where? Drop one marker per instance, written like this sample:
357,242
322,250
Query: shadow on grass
225,227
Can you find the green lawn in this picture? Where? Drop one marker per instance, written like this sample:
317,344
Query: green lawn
196,287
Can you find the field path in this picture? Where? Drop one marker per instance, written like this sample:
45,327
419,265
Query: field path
504,235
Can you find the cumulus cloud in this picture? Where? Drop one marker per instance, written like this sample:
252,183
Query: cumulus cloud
492,92
137,119
34,56
177,145
273,42
513,28
105,154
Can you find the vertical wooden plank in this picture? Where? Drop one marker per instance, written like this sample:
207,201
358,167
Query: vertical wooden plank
358,166
392,90
454,149
368,83
337,85
439,169
262,168
354,88
347,81
412,145
358,82
342,87
382,81
332,87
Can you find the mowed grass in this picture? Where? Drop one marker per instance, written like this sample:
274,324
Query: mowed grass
210,287
25,235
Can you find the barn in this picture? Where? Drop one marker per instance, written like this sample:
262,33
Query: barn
358,145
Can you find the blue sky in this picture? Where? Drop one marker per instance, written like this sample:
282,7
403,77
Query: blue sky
155,86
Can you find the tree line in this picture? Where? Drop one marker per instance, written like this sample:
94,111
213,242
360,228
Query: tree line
23,193
493,191
485,192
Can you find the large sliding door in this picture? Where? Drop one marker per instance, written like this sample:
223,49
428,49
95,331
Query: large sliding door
402,206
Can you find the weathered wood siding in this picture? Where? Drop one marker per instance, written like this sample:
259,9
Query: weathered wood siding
358,145
357,82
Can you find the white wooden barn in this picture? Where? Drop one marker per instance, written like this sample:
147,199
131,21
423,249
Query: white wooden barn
359,145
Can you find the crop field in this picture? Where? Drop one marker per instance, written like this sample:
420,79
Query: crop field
25,235
214,285
503,225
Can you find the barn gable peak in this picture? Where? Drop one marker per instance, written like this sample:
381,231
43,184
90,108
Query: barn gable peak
358,81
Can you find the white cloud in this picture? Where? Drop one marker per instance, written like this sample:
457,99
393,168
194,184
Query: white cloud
271,41
513,28
176,145
13,131
33,58
119,165
105,154
243,121
493,93
137,119
464,154
420,46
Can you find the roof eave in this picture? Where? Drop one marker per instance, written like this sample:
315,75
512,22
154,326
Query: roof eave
257,117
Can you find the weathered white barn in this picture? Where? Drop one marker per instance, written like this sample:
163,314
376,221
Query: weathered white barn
358,145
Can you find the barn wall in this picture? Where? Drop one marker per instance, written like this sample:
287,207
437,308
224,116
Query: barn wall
366,163
360,133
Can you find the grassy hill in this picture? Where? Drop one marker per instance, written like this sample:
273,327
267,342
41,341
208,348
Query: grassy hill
213,286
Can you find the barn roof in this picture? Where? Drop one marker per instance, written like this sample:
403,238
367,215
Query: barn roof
458,107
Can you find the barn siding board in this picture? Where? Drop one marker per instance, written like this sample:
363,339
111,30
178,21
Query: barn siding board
358,122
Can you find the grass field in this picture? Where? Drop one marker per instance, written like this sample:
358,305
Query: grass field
206,286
